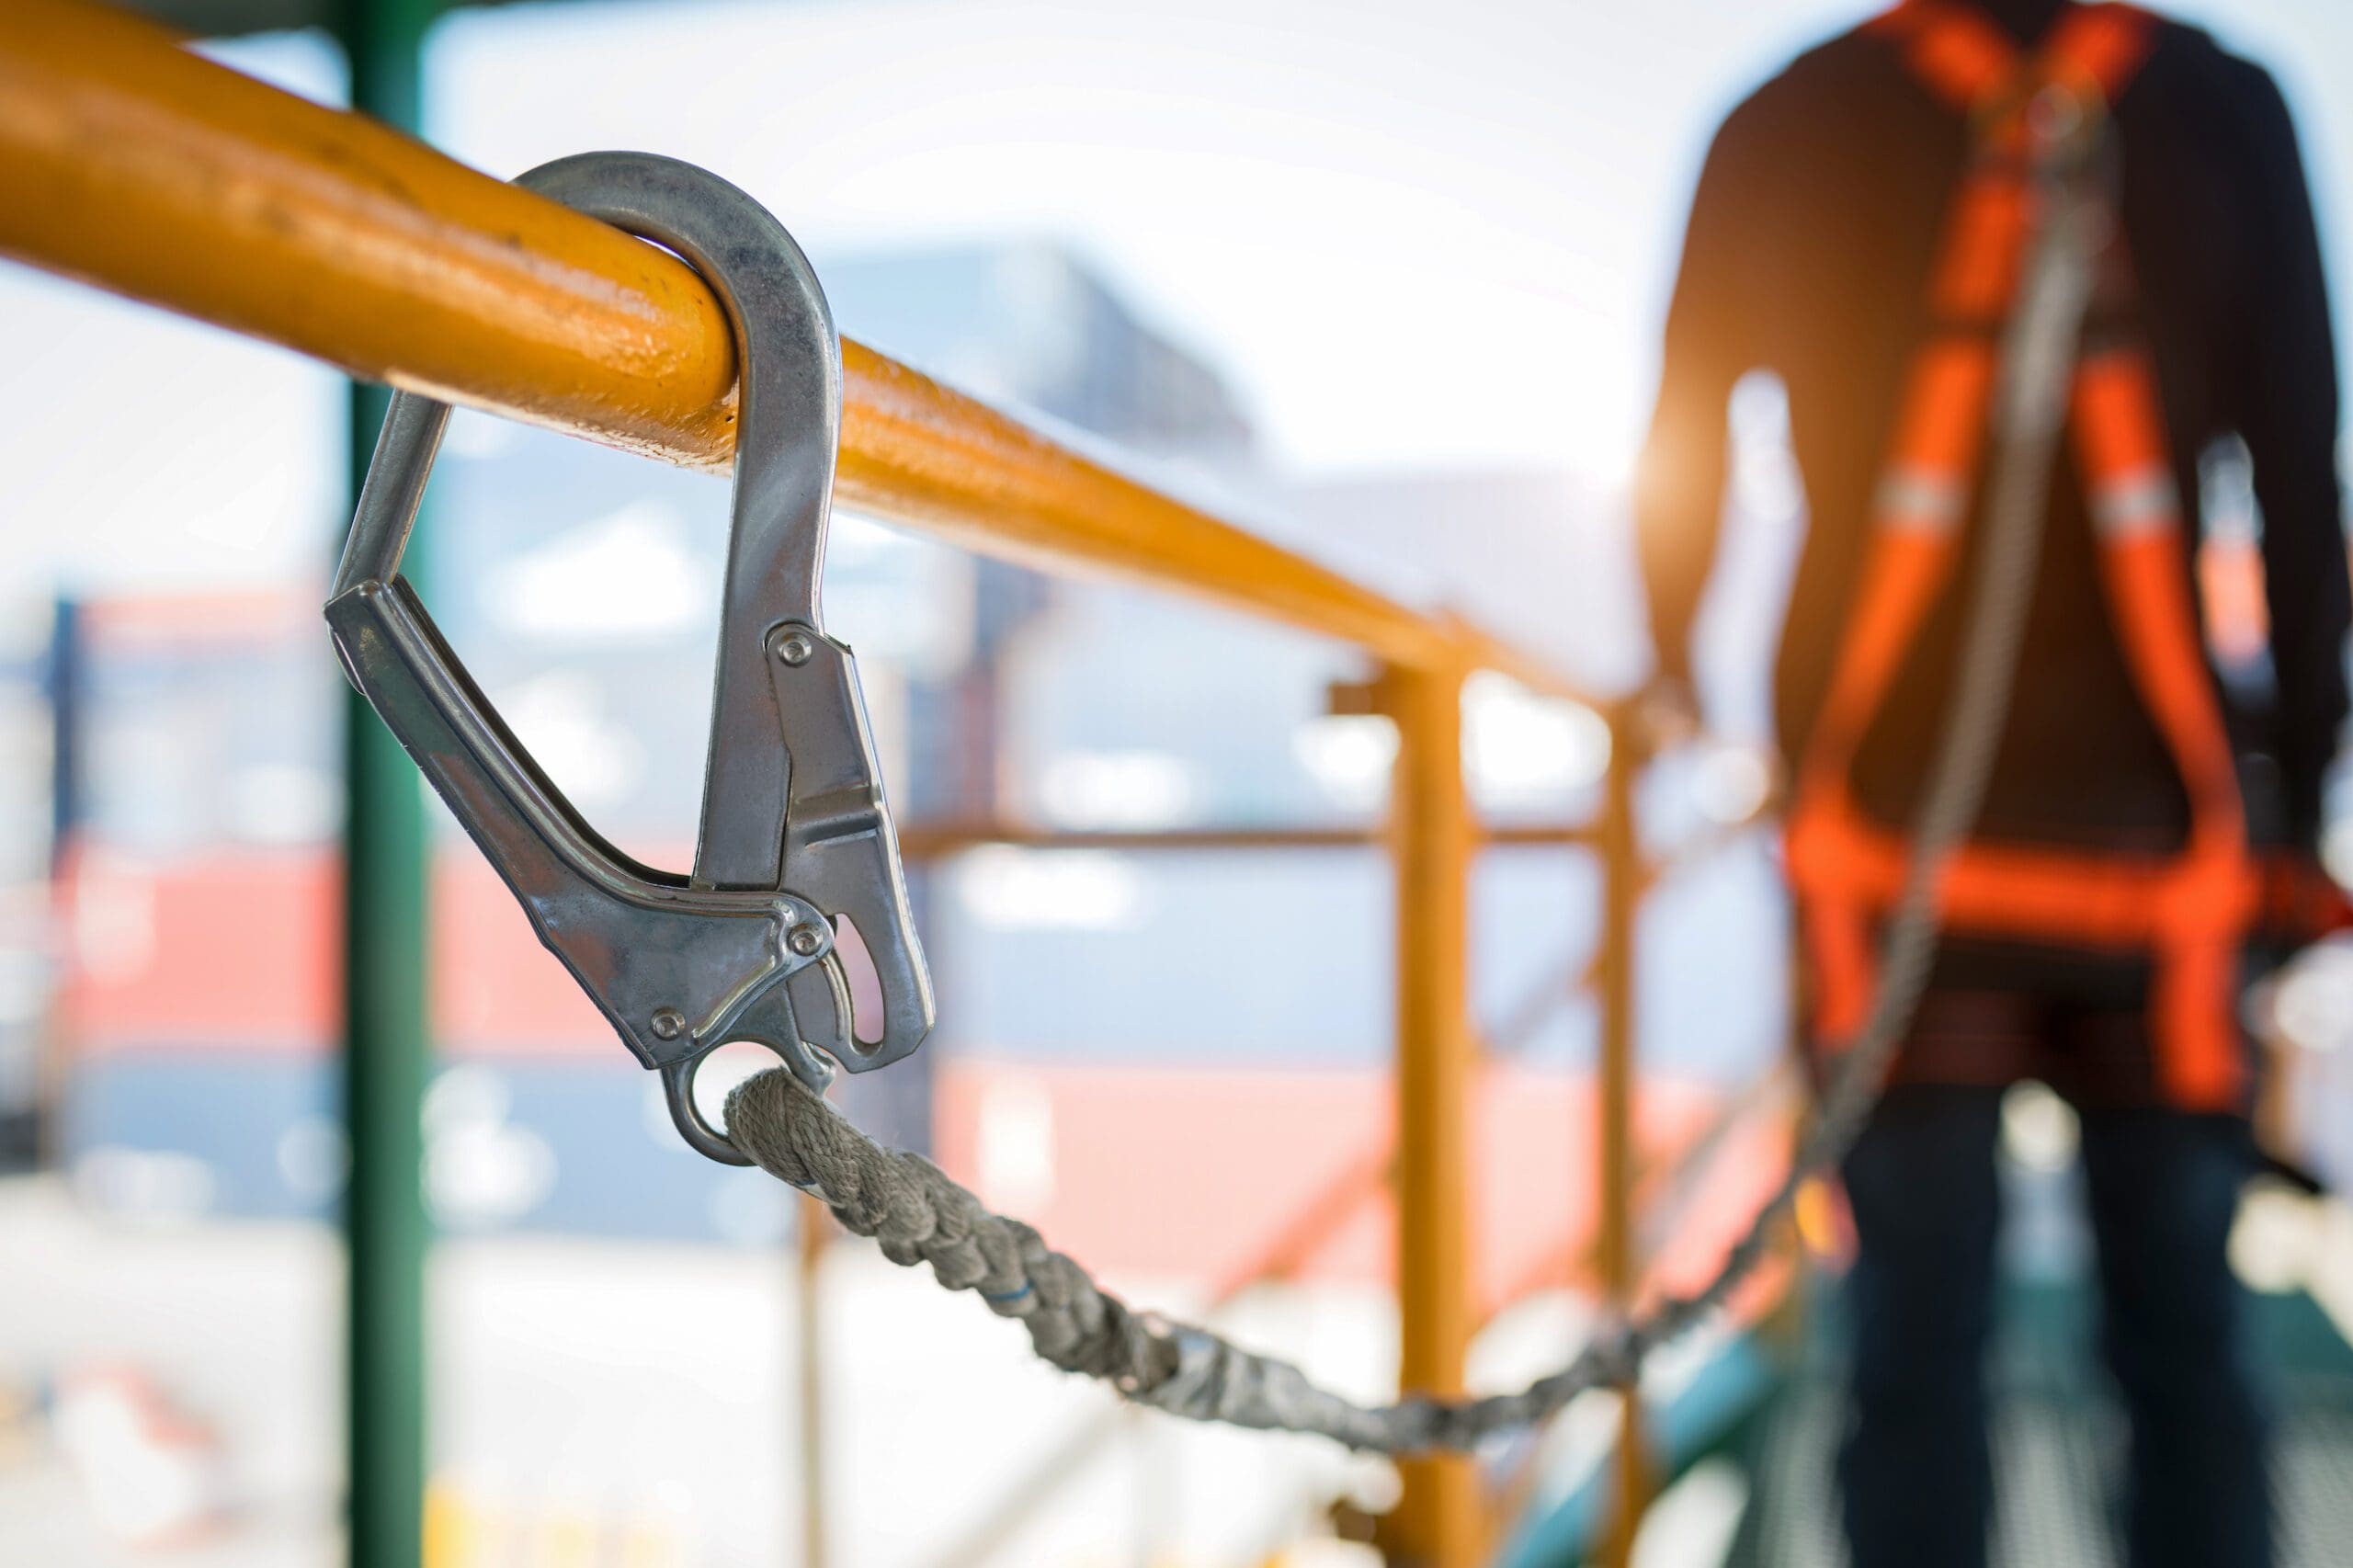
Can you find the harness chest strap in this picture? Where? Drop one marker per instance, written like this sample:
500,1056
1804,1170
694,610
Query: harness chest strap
2189,911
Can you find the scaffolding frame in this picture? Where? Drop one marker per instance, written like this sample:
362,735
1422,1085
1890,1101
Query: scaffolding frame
136,165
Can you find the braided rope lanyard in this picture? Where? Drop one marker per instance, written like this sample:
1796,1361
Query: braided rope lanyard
919,1214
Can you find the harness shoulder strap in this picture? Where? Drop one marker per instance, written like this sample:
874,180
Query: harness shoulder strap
2191,912
1925,484
1964,58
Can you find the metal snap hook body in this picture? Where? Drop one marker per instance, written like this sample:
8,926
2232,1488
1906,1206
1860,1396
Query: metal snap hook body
795,833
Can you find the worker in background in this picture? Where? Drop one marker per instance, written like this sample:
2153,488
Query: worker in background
1855,233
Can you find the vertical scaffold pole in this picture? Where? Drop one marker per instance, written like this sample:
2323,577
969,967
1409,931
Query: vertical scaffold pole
384,1026
815,1231
1441,1518
1621,892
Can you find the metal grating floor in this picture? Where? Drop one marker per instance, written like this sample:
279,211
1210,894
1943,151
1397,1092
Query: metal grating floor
2053,1488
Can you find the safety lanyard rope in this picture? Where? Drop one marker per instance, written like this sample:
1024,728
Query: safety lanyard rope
921,1215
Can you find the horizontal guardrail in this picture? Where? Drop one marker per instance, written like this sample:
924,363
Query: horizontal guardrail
136,165
133,163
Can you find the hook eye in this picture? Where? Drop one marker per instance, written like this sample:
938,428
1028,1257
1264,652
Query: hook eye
678,1087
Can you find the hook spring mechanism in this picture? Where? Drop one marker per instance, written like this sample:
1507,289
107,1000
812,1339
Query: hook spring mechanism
796,837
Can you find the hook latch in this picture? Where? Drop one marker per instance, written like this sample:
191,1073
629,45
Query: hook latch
796,834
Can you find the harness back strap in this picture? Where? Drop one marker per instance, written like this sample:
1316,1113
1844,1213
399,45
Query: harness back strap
2191,910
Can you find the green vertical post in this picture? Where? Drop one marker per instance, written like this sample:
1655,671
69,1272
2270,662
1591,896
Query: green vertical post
385,1041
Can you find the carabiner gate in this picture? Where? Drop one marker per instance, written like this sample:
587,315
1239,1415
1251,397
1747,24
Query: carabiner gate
795,836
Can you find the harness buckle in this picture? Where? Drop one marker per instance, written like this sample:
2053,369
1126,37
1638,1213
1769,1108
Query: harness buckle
796,837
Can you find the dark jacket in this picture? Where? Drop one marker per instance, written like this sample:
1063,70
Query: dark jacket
1810,238
1818,213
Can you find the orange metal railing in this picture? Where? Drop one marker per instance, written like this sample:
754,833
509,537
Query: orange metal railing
147,170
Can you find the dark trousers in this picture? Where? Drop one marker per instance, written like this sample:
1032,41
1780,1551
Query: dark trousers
1916,1468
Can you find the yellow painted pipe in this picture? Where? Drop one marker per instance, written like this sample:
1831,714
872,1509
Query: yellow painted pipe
136,165
1621,893
1440,1519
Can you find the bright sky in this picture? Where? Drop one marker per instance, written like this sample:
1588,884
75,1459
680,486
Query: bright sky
1421,234
1412,231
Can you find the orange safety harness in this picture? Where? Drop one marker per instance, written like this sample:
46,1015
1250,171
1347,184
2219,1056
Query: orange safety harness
2190,911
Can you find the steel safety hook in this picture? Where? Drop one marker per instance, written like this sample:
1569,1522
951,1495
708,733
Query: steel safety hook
796,837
